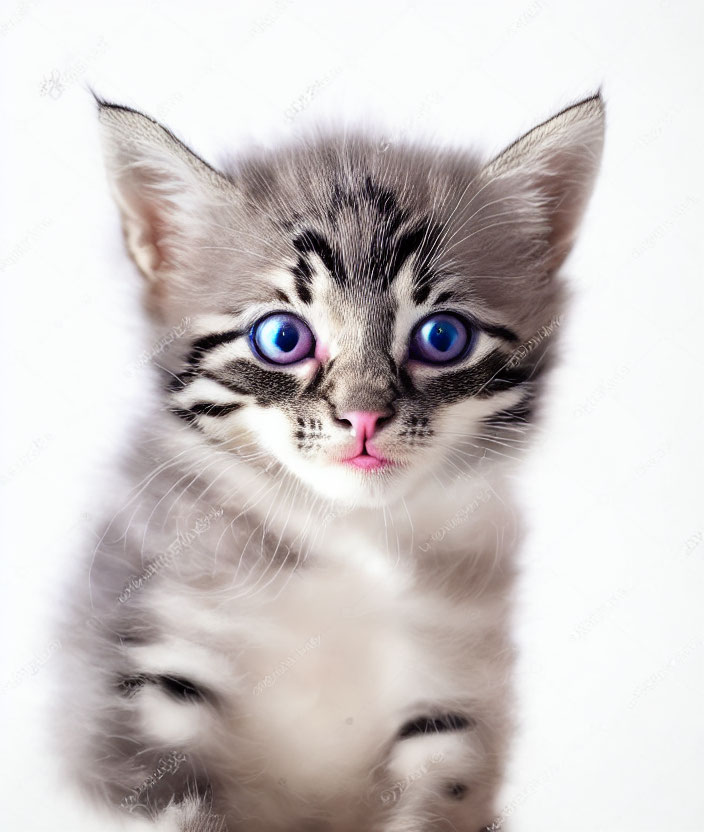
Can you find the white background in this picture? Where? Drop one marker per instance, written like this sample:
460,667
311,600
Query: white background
611,735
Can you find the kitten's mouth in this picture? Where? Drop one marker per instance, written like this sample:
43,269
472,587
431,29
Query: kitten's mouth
367,460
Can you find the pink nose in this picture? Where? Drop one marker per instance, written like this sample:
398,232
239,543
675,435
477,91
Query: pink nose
363,422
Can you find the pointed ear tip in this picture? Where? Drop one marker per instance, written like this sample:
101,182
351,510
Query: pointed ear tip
594,106
97,98
108,108
588,114
111,114
597,115
103,106
108,113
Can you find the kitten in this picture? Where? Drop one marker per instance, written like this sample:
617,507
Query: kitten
297,618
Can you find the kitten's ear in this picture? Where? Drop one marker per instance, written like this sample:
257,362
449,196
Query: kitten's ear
164,191
554,167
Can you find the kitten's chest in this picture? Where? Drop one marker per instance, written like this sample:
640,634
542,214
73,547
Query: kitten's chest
338,653
337,660
316,670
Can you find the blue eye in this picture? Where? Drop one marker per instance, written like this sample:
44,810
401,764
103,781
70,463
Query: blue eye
440,339
282,339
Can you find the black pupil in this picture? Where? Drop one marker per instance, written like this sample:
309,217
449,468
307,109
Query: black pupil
287,337
442,336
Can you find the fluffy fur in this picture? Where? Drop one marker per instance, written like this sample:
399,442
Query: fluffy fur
271,639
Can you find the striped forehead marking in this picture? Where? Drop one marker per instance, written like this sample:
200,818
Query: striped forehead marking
388,246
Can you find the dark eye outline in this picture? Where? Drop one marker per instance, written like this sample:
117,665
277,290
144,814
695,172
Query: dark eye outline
472,333
257,352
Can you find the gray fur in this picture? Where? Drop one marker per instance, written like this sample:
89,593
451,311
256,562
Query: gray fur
259,627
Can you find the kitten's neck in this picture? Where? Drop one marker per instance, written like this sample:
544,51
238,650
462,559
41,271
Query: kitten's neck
456,516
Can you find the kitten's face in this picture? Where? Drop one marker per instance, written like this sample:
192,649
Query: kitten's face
358,317
359,389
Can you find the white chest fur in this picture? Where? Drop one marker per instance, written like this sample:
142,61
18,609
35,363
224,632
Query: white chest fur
315,670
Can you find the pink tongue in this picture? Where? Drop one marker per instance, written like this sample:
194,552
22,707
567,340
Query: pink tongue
365,461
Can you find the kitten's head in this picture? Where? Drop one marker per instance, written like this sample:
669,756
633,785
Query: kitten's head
369,320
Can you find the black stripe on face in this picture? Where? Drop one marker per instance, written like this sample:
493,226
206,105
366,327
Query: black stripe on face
215,410
407,244
505,377
199,348
312,242
178,382
424,285
186,415
435,725
177,687
181,689
493,374
500,332
384,200
205,409
208,342
372,193
385,256
443,297
388,256
247,378
421,241
406,384
302,276
225,381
